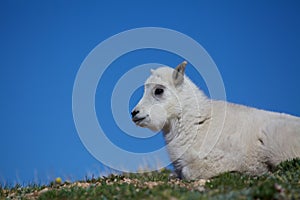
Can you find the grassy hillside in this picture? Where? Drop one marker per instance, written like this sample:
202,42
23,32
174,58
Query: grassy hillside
283,183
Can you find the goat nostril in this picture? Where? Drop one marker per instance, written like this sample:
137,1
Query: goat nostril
134,113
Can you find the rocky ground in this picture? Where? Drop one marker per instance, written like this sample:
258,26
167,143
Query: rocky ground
283,183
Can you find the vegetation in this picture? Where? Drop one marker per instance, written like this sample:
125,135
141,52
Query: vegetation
282,183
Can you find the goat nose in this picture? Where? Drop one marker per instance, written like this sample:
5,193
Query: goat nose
134,113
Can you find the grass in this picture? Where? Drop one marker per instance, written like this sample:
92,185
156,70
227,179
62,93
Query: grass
283,183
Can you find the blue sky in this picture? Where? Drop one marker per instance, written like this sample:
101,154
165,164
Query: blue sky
255,45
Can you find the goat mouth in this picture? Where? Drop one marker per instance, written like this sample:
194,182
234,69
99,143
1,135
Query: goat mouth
137,119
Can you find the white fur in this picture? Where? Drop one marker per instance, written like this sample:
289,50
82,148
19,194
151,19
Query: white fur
207,137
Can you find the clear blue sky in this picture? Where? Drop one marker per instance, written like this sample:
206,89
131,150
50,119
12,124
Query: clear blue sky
255,45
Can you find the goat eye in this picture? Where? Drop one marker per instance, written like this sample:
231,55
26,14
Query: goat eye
158,91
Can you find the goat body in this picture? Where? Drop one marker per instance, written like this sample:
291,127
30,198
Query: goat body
207,137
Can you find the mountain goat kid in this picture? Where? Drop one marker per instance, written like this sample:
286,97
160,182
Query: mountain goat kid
206,137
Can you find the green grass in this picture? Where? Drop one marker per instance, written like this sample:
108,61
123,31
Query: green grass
283,183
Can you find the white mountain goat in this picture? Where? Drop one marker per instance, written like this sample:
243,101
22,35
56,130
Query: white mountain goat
206,137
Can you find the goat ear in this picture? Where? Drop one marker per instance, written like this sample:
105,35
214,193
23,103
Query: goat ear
178,74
